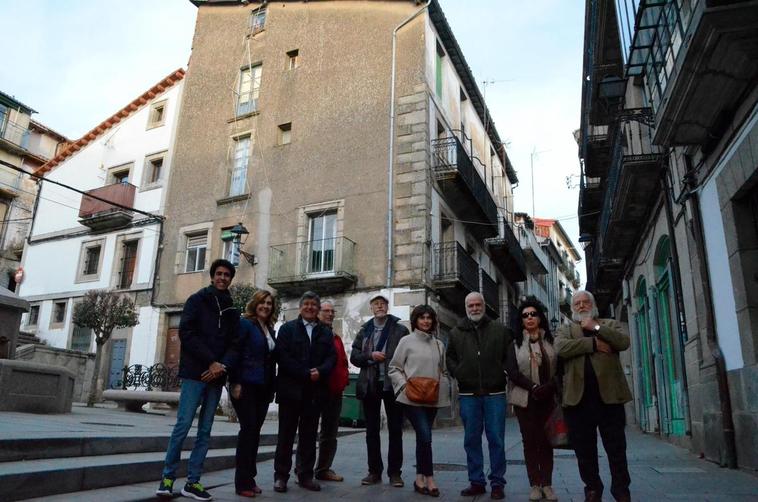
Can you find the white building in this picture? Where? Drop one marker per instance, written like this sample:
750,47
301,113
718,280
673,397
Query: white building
77,243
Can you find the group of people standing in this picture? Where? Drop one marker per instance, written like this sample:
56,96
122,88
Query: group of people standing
305,367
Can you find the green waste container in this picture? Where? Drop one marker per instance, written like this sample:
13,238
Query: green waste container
352,408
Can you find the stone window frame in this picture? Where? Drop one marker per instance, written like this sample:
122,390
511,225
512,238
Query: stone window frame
147,171
180,259
54,324
118,255
114,170
33,306
284,134
235,141
81,277
304,218
293,59
157,115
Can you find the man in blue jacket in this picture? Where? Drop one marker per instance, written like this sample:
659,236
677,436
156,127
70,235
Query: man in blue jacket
305,349
208,332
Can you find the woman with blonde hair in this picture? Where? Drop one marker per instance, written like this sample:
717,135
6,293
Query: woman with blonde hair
419,362
252,385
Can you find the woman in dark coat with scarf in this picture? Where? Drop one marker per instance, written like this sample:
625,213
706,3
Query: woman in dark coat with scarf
531,365
252,386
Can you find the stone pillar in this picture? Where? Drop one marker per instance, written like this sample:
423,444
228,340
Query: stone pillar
11,308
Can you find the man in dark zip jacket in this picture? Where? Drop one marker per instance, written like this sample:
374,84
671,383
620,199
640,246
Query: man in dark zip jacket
209,335
373,348
476,358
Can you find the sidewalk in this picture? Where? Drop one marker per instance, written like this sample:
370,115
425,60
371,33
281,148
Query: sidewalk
660,471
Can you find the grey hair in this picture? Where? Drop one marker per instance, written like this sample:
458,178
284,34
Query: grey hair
310,295
595,313
473,294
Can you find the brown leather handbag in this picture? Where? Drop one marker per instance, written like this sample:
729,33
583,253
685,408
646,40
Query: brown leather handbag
425,390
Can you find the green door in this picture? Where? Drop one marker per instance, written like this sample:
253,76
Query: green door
672,371
645,383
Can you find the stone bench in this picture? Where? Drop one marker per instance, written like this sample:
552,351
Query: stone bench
134,400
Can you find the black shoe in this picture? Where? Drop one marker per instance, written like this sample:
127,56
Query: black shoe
433,492
473,489
280,486
396,481
497,493
371,479
423,490
196,491
311,485
166,488
592,495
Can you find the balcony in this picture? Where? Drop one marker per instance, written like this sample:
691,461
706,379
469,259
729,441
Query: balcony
564,302
590,201
454,274
325,265
507,255
536,261
463,187
99,215
597,150
491,295
14,135
700,59
10,182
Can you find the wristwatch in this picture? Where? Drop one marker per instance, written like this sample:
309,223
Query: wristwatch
597,328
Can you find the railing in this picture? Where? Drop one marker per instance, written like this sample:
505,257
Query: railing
119,193
10,178
15,133
490,291
529,244
451,262
312,259
449,155
156,377
632,142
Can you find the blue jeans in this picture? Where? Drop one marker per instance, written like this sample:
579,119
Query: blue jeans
194,393
484,414
422,418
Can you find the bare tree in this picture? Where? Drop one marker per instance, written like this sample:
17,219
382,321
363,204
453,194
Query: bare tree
103,311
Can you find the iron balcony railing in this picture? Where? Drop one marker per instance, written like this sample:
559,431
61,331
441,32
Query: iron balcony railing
490,292
14,133
632,142
312,259
452,263
156,377
450,156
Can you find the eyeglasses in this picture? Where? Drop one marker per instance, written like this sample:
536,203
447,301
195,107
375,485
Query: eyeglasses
524,315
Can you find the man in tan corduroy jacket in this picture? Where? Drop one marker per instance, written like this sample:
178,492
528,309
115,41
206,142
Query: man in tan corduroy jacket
594,393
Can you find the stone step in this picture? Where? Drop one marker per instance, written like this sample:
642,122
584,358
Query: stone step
39,478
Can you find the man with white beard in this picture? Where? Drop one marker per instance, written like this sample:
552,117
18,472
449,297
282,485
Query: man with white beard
476,358
594,393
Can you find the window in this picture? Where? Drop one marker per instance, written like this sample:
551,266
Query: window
59,314
284,135
157,114
119,174
292,59
196,247
321,242
249,88
257,20
237,186
33,315
90,259
81,339
153,170
128,263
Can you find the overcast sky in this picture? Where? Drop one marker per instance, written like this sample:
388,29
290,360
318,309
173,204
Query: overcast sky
77,62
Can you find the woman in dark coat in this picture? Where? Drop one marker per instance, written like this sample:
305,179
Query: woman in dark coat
531,366
252,386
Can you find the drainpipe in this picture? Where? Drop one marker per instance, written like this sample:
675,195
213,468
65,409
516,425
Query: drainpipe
725,399
390,191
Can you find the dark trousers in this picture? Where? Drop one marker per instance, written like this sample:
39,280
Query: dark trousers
422,418
327,437
251,409
584,420
296,417
538,452
372,406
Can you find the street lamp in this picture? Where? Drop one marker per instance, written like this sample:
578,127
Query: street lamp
240,234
